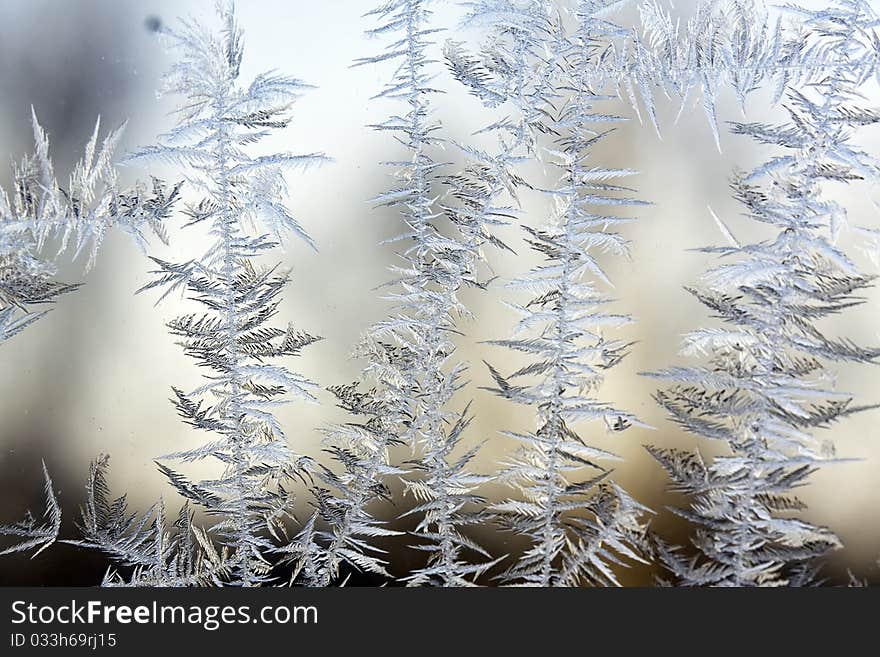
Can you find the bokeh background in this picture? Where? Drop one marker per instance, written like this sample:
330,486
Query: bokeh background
95,375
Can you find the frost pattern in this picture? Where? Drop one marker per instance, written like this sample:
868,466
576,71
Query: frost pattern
408,354
40,216
765,391
577,527
242,202
767,388
35,536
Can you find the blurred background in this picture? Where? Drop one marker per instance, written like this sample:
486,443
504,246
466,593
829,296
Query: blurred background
95,375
